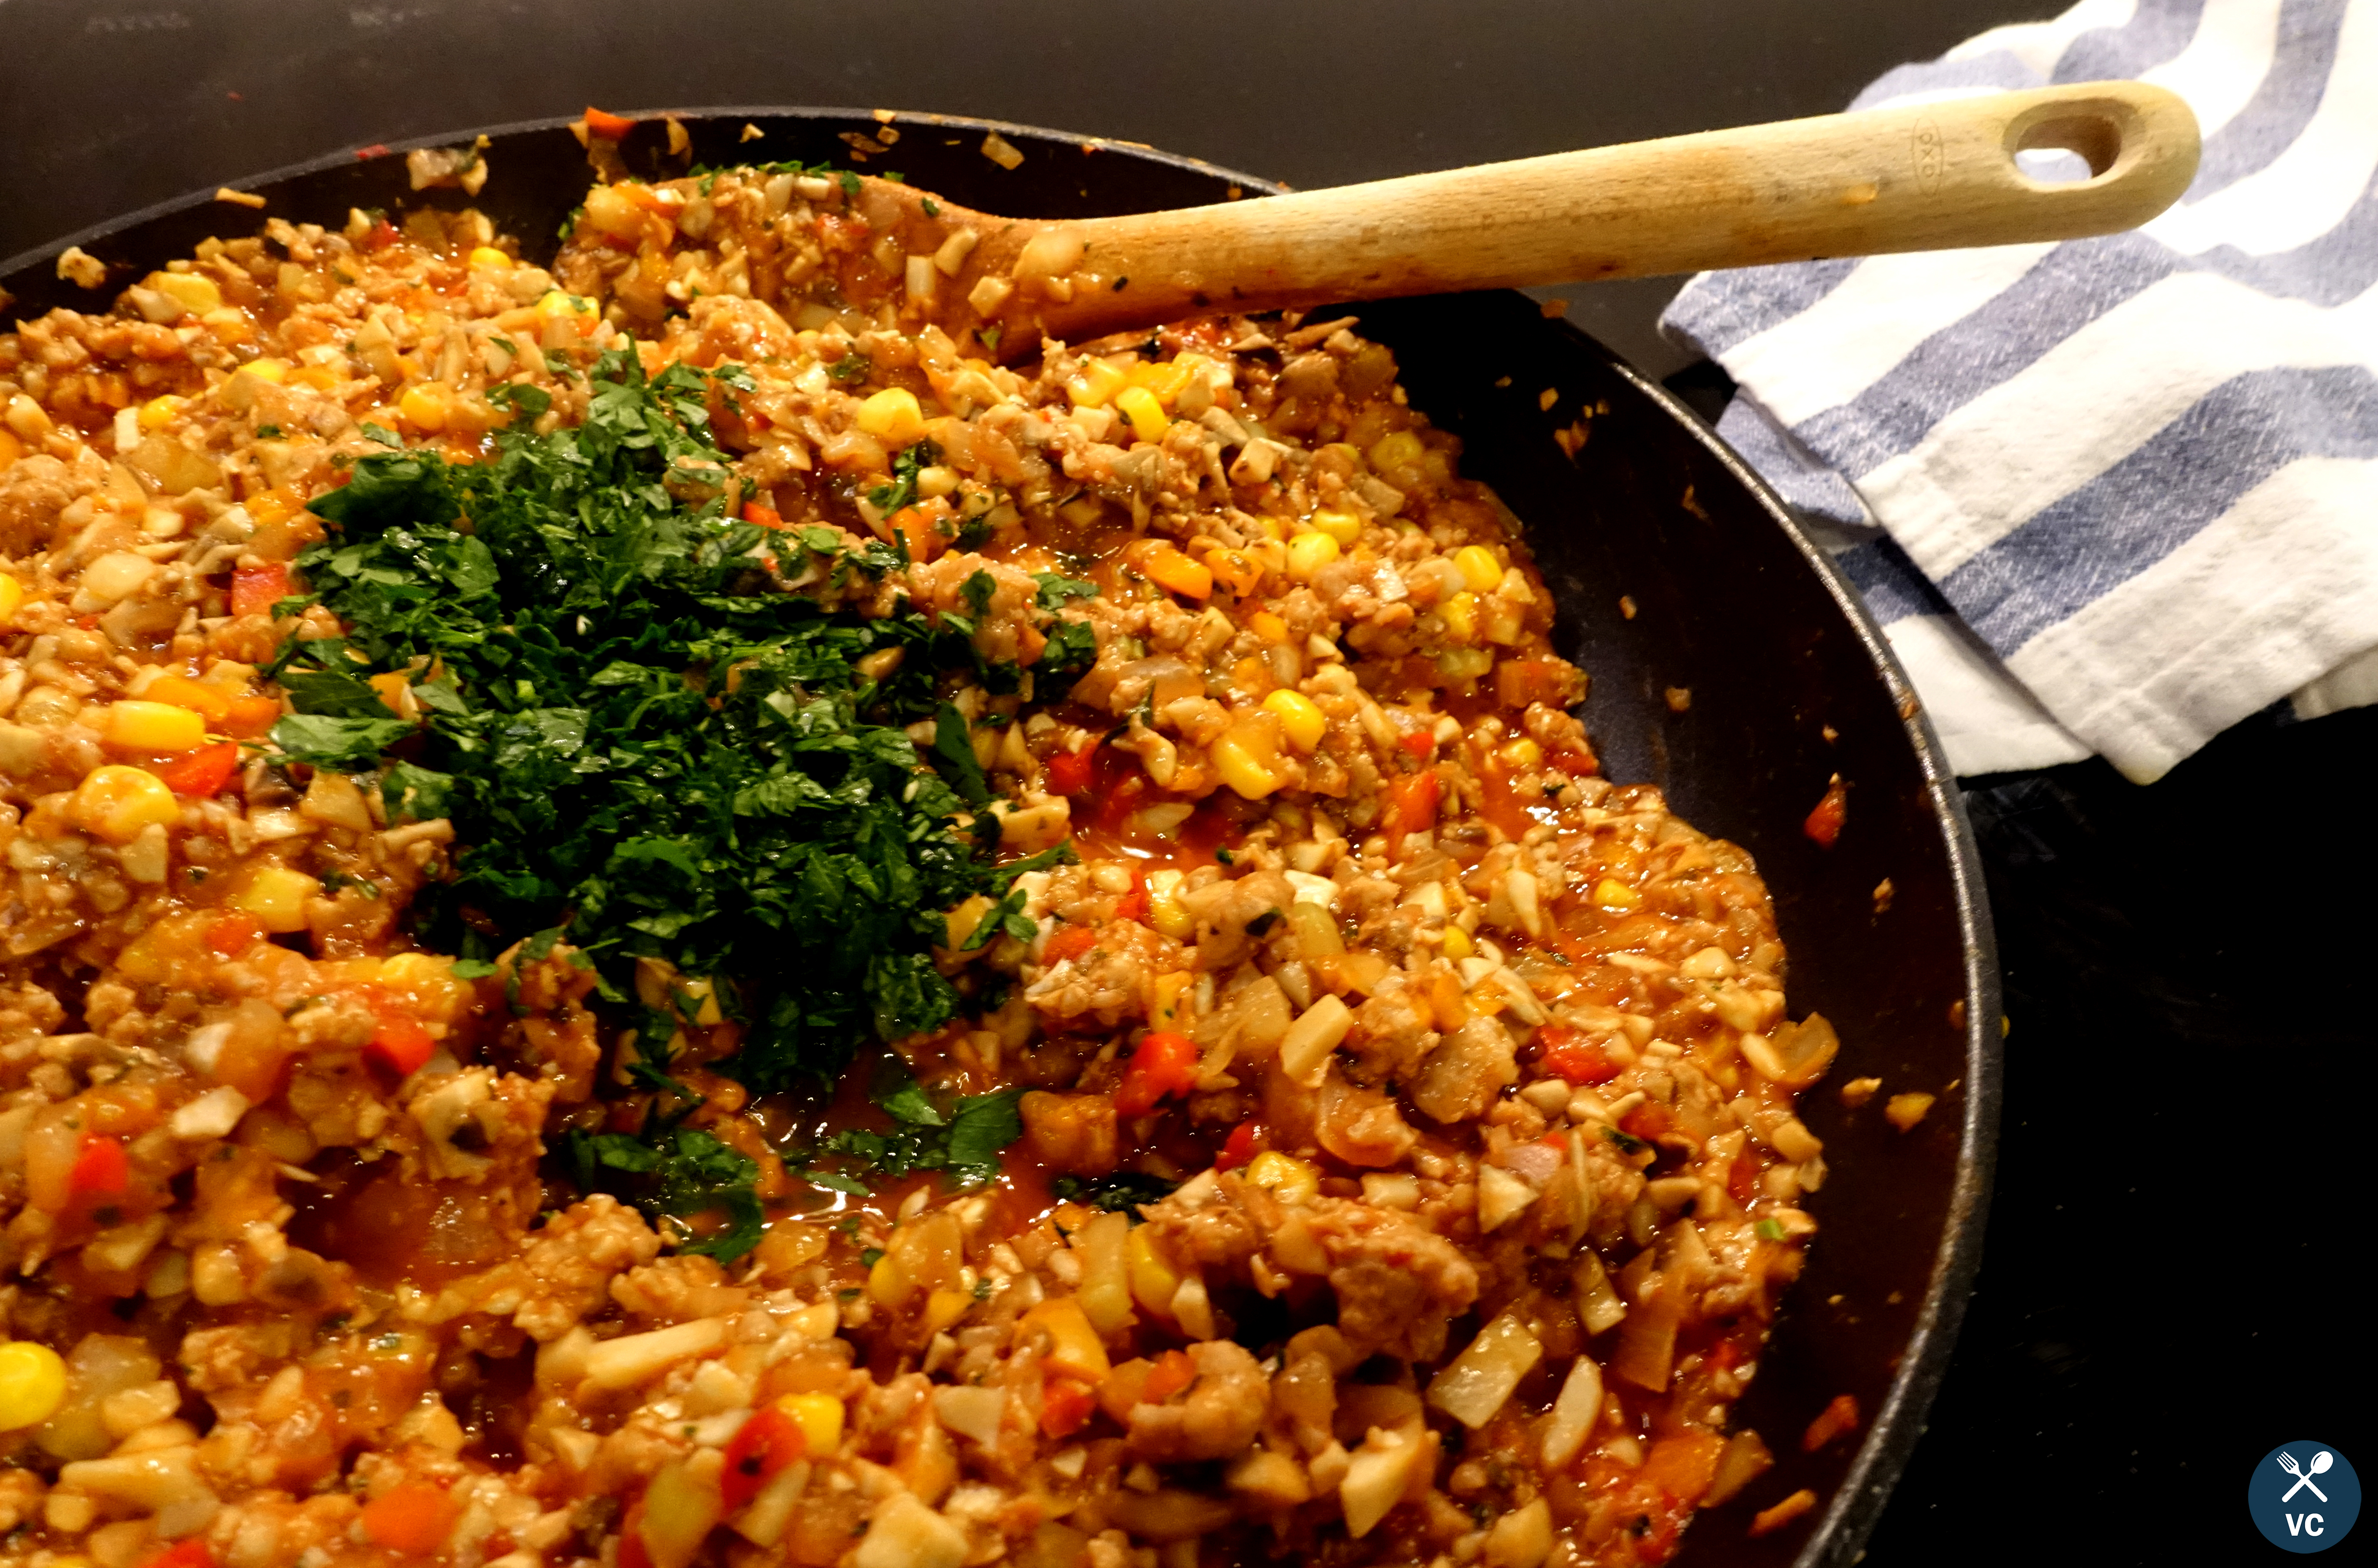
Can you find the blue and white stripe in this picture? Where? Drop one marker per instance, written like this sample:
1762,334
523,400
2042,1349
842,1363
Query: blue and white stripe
2112,496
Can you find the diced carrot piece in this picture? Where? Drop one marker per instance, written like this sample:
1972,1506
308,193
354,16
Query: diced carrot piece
1841,1415
1165,1063
252,718
762,516
1065,1404
202,773
1825,823
413,1518
1173,1373
401,1044
255,589
233,934
99,1168
1068,941
612,126
1568,1054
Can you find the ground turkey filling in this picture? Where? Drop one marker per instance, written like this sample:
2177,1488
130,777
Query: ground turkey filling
1390,1120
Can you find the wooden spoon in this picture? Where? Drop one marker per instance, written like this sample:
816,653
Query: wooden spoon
1923,177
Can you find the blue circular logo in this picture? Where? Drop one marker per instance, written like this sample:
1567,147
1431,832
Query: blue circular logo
2303,1497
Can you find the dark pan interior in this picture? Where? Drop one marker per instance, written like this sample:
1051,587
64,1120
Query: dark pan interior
1789,684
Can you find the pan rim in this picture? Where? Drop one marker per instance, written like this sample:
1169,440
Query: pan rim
1857,1502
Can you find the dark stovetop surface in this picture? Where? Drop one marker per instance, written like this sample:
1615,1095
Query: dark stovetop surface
2183,964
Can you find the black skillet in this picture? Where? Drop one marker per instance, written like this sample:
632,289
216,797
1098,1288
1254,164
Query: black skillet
1675,566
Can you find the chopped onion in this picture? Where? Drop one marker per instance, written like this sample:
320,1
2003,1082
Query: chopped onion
1476,1383
1575,1414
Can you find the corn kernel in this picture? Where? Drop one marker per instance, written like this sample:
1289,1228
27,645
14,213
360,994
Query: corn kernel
489,256
1268,627
320,377
198,295
1478,568
1165,910
32,1384
1091,385
1399,448
820,1417
424,408
276,895
946,1307
134,726
1285,1176
1522,755
117,802
1164,378
274,506
272,370
1308,553
1244,763
892,415
157,412
1146,416
1457,945
1301,718
1154,1282
12,599
1344,527
1613,894
1461,615
1170,569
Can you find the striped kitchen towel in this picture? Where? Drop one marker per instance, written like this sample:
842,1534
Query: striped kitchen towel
2111,496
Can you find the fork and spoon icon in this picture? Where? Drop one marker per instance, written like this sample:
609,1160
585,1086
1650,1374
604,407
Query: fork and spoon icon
2320,1465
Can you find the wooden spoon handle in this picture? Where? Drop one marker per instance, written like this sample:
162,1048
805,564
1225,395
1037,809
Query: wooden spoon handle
1922,177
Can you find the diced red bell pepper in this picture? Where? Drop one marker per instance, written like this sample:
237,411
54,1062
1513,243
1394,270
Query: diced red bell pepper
99,1168
380,235
252,718
612,126
1068,941
1825,823
1246,1141
202,773
1165,1063
761,1448
762,516
190,1553
415,1518
1576,763
1648,1120
632,1554
1411,809
1569,1056
233,934
1070,771
401,1044
1065,1404
1133,906
1173,1372
255,589
1420,743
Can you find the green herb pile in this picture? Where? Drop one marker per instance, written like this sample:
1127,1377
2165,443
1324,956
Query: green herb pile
650,751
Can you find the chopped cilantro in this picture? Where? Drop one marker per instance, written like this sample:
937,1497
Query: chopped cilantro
268,432
852,367
962,1140
932,208
673,1174
1627,1142
1121,1193
870,1256
1772,1230
905,465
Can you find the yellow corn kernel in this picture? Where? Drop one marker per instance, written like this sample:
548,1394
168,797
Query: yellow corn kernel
1309,551
1457,945
1344,527
1244,763
272,370
276,895
1165,377
157,412
424,408
134,726
1286,1178
198,295
1094,383
1154,1282
1398,448
12,599
1169,569
117,802
32,1384
1612,893
1461,615
820,1417
1072,1344
320,377
1268,627
489,256
944,1308
1522,755
1145,415
1478,568
1301,718
274,506
1165,910
892,415
1164,1007
561,301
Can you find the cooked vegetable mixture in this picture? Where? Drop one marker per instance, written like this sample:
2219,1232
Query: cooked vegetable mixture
655,914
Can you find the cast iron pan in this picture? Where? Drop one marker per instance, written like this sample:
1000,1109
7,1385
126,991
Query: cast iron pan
1790,684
